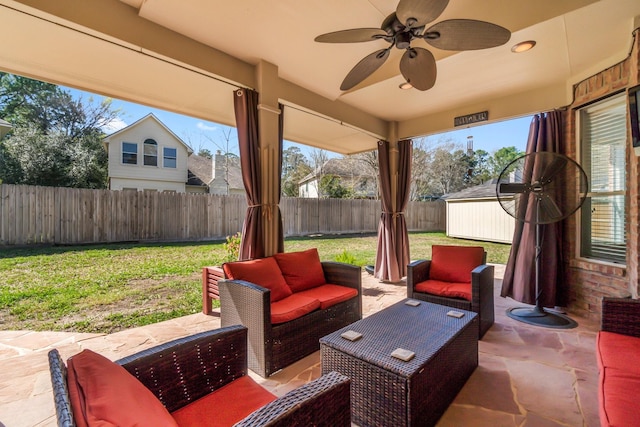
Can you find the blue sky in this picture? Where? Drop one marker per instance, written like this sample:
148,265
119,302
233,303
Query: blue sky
212,136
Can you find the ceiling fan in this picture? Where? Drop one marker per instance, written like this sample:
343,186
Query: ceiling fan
407,23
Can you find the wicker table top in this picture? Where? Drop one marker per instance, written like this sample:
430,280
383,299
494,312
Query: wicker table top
424,330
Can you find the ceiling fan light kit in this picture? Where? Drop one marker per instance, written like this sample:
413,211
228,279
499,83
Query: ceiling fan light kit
523,46
407,24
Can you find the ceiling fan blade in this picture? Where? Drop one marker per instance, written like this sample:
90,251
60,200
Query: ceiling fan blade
552,169
364,68
466,34
418,66
355,35
513,188
416,13
549,210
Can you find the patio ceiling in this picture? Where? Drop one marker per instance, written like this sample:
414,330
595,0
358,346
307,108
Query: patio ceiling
182,55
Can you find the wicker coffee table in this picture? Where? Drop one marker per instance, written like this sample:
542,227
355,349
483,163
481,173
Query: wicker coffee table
386,391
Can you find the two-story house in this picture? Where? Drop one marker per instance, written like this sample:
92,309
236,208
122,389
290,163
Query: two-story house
147,155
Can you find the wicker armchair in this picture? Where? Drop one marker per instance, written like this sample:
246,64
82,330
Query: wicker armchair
481,290
177,374
275,346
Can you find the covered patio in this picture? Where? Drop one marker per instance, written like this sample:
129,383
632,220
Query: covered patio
192,57
501,392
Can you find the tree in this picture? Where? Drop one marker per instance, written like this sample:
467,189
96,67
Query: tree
55,140
295,166
318,159
367,165
203,152
501,158
331,186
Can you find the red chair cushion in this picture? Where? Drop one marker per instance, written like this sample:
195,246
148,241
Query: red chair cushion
262,272
454,263
330,294
619,379
301,270
106,394
225,406
292,307
445,289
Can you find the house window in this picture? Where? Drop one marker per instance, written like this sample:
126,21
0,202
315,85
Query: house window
150,152
603,130
129,153
169,156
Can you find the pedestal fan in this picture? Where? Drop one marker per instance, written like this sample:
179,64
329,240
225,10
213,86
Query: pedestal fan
541,188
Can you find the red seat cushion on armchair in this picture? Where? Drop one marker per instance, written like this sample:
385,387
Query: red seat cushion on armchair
225,406
445,289
262,272
454,263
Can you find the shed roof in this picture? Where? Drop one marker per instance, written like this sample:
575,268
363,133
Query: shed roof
482,191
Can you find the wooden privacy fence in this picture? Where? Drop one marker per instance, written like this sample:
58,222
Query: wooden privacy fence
52,215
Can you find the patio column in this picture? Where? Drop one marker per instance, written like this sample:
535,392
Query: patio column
269,120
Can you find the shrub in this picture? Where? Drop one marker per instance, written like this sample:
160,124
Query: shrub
346,258
232,247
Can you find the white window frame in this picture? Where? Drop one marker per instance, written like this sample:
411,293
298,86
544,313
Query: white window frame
150,143
123,152
165,157
585,249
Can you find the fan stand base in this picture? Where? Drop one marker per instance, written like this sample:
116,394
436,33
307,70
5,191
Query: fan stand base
540,317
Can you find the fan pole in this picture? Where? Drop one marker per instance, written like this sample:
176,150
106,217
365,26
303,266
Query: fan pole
538,315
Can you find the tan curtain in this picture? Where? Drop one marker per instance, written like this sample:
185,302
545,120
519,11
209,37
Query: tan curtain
545,134
279,181
392,254
246,110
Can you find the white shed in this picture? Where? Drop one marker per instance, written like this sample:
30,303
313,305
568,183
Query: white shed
475,213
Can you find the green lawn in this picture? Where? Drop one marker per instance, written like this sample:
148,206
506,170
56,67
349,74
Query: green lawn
106,288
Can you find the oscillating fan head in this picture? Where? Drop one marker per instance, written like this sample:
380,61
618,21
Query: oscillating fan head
542,187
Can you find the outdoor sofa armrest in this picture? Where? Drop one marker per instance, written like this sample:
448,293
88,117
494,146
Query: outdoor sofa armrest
621,315
343,274
181,371
348,275
481,286
322,402
417,271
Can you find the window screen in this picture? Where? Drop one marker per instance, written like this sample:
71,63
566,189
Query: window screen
169,157
150,152
129,153
603,134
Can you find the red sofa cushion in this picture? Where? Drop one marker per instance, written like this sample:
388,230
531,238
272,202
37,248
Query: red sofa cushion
618,351
301,270
106,394
225,406
619,379
454,263
292,307
262,272
330,294
445,289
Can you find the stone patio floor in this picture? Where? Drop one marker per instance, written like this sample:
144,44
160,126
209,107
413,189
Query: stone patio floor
528,376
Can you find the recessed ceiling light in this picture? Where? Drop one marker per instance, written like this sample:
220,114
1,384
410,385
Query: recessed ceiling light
405,86
523,46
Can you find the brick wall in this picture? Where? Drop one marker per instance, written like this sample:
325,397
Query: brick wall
590,281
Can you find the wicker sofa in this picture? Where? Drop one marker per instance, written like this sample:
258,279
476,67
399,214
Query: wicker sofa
192,381
617,353
285,328
471,279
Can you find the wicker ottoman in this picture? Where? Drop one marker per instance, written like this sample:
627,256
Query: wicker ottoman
386,391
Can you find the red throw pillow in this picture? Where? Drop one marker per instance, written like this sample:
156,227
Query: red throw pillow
262,272
454,263
111,396
301,270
